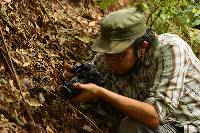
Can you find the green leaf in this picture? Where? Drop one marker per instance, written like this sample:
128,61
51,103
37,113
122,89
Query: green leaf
198,11
197,22
194,10
3,81
84,39
34,102
102,113
196,14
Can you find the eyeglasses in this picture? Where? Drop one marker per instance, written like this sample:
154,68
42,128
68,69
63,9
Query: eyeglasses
115,57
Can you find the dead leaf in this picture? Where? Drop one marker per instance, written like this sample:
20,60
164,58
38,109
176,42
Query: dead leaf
19,97
40,56
7,1
16,61
26,64
85,22
49,130
21,51
93,14
89,30
99,17
33,102
53,63
3,130
13,88
88,128
92,23
2,68
41,97
7,29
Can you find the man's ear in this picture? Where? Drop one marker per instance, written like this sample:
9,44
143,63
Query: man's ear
145,44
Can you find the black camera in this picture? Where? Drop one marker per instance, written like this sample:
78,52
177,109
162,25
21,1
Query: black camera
83,73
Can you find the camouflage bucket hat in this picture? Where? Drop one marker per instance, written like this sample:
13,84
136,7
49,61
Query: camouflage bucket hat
119,30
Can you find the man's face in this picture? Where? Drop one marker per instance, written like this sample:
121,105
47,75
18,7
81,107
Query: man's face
122,62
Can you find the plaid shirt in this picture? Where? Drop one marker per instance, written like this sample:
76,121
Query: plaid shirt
169,80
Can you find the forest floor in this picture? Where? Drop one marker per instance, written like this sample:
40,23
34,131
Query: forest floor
39,37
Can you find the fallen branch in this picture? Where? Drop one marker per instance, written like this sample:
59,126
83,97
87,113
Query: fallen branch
31,124
15,77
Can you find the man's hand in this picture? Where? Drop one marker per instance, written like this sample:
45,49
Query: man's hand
67,73
89,91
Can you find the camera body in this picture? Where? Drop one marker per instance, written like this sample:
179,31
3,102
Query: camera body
83,73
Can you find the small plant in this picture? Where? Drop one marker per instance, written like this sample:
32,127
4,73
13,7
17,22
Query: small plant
104,4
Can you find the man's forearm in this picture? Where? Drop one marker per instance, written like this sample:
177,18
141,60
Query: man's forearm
135,109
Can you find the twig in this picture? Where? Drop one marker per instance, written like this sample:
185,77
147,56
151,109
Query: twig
15,77
88,119
44,10
150,15
155,18
3,58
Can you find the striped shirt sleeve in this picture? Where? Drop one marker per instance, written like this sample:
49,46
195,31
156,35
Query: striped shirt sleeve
169,81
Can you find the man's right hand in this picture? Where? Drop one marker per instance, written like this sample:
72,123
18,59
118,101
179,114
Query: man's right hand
89,91
68,71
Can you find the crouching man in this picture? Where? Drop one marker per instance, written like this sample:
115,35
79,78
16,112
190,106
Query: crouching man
154,79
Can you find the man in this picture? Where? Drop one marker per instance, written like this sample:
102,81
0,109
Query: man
154,79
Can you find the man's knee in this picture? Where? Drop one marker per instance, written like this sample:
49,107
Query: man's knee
129,125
